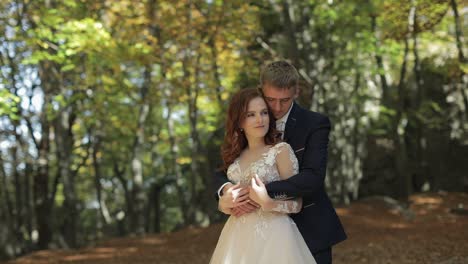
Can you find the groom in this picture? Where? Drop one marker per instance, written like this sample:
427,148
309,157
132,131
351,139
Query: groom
307,133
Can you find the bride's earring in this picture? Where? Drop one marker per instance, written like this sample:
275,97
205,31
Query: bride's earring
242,130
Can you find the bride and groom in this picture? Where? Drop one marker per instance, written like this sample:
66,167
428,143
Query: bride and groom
272,180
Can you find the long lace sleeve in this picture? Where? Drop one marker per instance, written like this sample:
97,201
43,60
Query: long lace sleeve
287,207
287,165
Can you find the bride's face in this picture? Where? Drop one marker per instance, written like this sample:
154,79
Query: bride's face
257,120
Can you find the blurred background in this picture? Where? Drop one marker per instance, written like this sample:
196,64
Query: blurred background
112,112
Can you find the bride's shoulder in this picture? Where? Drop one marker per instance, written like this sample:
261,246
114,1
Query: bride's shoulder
281,146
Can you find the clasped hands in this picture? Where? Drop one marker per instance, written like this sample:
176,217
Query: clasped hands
238,199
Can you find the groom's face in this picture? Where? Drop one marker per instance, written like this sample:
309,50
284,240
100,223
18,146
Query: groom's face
279,99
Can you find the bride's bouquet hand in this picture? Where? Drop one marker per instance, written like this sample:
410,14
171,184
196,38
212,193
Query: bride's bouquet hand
259,194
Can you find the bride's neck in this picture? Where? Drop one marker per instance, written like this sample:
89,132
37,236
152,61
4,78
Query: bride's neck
256,143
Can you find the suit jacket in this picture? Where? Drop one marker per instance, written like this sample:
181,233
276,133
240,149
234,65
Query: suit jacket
307,133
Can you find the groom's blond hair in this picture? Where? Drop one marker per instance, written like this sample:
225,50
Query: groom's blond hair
280,74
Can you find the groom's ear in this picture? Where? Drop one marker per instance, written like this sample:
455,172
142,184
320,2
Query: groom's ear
297,92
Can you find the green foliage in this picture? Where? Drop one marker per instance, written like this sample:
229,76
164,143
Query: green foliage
8,104
102,62
394,16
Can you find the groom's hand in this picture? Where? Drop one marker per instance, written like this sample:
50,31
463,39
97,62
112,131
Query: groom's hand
245,209
233,196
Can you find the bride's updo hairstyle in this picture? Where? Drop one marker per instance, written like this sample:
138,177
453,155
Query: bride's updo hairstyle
234,139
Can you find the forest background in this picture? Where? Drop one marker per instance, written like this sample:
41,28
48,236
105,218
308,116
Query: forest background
112,112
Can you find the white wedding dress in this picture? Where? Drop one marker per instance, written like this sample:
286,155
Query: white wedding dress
262,237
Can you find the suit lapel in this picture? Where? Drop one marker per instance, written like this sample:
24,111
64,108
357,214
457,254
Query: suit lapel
291,124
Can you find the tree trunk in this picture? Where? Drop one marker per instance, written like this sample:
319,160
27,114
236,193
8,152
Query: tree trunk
214,68
137,223
7,204
104,217
157,209
138,194
458,30
379,60
120,175
167,102
398,132
191,89
43,204
192,112
19,177
419,152
29,212
64,143
153,224
461,56
18,208
6,200
175,166
356,141
290,31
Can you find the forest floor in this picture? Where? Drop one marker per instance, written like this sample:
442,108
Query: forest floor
433,229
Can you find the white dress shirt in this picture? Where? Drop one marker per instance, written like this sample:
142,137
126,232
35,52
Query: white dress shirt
281,123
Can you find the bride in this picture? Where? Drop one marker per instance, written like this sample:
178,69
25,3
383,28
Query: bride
253,156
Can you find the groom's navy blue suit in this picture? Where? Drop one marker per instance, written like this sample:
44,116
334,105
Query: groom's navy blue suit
307,132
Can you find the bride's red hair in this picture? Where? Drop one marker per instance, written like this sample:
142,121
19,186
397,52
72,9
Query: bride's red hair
234,139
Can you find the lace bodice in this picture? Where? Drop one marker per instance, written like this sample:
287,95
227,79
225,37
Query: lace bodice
267,170
264,167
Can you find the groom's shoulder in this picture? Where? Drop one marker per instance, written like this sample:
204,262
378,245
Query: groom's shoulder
309,117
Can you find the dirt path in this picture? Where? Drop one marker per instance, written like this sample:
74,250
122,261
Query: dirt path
379,232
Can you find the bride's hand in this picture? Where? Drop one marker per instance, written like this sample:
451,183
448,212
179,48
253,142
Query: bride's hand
259,194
